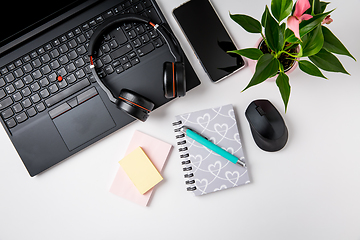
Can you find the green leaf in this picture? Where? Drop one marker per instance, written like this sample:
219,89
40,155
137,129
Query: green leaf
252,53
282,82
312,42
248,23
316,7
274,34
333,44
265,16
328,62
309,25
281,8
310,69
266,67
323,6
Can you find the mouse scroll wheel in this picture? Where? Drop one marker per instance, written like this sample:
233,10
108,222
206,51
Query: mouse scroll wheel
260,110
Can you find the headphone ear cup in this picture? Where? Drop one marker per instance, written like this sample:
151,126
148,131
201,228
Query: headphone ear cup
134,104
180,79
169,80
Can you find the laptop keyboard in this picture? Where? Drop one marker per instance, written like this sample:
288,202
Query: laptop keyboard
59,69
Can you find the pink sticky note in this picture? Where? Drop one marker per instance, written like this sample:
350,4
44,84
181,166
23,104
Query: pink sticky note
157,151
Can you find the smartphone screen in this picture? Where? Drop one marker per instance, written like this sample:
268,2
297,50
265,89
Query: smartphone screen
208,38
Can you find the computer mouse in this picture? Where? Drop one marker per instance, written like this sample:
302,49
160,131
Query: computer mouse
267,125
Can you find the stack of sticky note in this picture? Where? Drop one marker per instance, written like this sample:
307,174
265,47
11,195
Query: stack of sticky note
157,152
140,170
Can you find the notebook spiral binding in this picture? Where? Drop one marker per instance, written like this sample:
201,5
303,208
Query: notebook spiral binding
184,155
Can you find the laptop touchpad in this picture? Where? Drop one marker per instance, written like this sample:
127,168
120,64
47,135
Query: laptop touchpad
84,122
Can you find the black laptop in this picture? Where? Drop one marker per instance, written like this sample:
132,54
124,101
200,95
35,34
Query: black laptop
44,64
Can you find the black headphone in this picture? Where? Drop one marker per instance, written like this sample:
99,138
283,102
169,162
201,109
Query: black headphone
129,101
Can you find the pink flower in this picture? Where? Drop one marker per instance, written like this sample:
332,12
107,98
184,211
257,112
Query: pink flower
327,20
294,21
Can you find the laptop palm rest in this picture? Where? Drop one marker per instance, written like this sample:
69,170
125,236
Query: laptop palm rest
84,122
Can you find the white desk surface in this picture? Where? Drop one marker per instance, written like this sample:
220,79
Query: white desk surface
309,190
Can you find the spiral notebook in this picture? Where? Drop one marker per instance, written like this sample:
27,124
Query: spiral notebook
206,171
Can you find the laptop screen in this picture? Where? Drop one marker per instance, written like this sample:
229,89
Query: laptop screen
21,17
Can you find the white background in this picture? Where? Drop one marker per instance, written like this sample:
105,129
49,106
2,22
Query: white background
309,190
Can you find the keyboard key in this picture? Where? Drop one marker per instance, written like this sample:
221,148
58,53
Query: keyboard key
145,49
54,53
53,88
41,51
79,62
44,82
108,14
10,89
19,84
36,63
47,47
63,48
17,107
26,92
18,72
35,87
62,84
81,38
35,98
31,112
80,74
61,72
45,58
2,82
63,60
37,74
7,113
72,55
69,68
52,77
26,103
21,117
44,93
121,51
56,42
59,110
105,48
72,43
127,65
40,107
11,123
109,69
55,64
107,59
71,78
17,97
18,63
81,50
113,44
9,78
28,79
67,92
46,69
2,93
135,61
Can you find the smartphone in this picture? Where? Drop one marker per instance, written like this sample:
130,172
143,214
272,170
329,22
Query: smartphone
209,38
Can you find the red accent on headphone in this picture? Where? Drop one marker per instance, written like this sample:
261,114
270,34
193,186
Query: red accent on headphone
134,104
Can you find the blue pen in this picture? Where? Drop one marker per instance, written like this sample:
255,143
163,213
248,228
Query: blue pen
203,141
